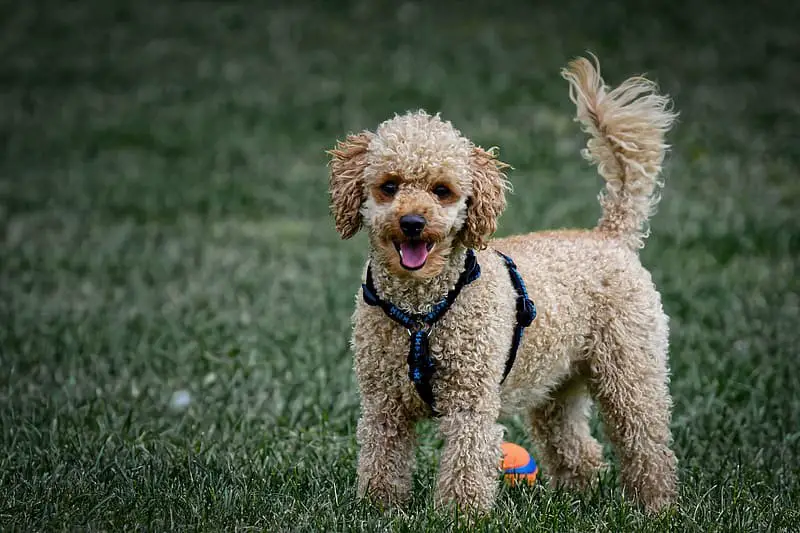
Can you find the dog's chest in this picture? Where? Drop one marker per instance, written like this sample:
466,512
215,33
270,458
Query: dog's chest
469,339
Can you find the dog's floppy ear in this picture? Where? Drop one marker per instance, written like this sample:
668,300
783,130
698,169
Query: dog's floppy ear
488,198
348,161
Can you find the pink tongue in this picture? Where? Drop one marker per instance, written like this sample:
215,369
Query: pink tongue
413,254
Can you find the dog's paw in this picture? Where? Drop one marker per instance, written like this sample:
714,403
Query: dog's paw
580,480
658,497
468,511
382,493
585,471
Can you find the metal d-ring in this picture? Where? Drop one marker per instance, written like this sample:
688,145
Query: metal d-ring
426,327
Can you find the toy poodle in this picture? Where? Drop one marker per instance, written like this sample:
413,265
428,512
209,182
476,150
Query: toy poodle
452,325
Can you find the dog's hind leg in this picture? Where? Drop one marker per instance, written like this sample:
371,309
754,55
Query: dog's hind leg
629,380
571,457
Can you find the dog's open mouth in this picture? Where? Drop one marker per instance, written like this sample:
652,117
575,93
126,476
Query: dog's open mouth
413,253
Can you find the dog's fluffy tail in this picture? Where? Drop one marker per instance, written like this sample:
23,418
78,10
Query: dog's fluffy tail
627,126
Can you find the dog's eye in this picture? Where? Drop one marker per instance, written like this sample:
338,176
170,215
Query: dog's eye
442,191
389,188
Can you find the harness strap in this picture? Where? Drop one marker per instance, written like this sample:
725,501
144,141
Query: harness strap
421,367
526,312
420,364
471,272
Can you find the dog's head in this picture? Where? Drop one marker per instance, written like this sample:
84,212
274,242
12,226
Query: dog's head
419,188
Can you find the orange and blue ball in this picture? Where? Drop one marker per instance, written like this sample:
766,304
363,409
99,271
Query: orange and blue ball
518,466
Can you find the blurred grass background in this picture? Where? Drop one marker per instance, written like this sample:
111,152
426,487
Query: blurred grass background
175,302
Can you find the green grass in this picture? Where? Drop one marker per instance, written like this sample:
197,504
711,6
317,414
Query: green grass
165,228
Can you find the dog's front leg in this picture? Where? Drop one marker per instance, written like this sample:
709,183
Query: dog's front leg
386,435
468,474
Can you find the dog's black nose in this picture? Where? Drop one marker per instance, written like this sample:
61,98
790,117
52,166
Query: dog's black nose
412,225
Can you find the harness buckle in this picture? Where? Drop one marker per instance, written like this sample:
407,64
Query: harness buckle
526,311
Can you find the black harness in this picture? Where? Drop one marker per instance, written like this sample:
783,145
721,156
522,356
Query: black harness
421,367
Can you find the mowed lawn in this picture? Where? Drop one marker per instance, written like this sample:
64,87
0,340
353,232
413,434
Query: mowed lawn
175,304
